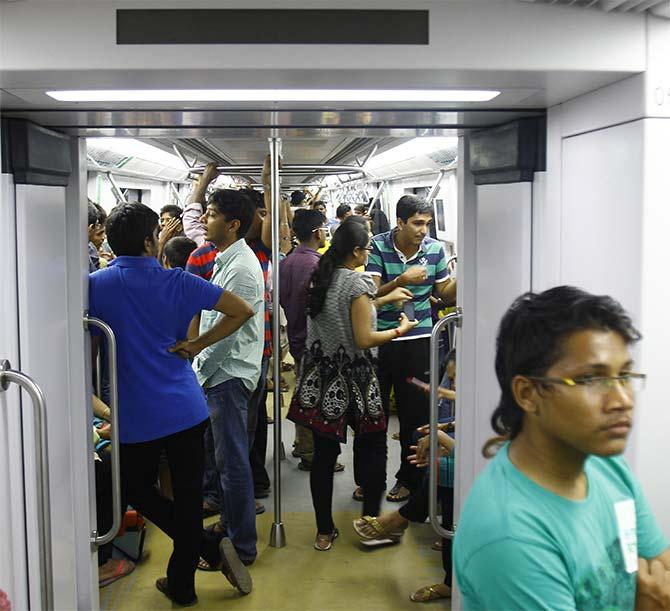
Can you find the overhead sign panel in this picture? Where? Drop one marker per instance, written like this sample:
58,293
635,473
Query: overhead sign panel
270,26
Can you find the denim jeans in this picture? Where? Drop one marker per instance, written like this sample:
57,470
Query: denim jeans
258,430
228,403
210,478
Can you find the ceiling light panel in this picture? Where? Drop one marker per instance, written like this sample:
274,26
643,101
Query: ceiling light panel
275,95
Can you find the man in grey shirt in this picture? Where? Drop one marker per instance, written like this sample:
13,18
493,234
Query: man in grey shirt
229,370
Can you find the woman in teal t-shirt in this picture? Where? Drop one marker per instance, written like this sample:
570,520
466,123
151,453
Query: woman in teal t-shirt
557,520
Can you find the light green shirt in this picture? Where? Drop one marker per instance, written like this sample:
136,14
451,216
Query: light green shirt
519,546
239,355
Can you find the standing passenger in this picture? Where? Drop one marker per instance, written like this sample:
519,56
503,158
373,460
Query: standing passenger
161,406
229,370
407,257
295,273
338,386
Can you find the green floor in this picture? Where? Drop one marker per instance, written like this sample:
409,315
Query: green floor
349,577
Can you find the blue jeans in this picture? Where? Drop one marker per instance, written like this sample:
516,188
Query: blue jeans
228,403
210,478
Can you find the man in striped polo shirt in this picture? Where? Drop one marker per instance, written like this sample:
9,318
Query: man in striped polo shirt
407,257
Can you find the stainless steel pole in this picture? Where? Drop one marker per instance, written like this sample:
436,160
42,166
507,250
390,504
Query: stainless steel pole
277,535
433,473
7,375
97,539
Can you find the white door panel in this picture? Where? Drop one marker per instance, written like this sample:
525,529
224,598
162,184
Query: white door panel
13,570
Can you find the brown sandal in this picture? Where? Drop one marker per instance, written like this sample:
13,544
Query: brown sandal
323,543
428,594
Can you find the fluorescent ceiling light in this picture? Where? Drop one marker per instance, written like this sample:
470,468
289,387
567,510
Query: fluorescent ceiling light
130,147
275,95
410,150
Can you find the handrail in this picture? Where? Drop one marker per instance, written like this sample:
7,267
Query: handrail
435,189
455,318
97,539
277,534
7,376
286,170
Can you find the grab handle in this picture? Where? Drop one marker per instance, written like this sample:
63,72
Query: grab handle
7,376
433,473
96,538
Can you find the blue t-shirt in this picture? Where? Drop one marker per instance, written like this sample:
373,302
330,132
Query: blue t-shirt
149,309
520,546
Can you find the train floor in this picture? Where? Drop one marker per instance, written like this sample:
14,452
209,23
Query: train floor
297,577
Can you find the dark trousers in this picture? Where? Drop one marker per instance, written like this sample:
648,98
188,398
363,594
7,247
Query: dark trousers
397,362
258,430
180,519
103,502
416,510
370,463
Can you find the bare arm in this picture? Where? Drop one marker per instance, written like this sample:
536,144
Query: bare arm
200,191
447,291
237,312
100,409
413,275
398,296
361,320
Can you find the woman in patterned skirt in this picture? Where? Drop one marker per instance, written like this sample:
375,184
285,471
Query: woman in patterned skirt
338,386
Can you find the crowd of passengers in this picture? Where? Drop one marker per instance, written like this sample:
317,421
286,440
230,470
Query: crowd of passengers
188,294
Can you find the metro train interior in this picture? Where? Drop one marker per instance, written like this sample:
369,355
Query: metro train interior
537,133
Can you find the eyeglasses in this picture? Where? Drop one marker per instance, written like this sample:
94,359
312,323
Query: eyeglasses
320,229
368,248
630,382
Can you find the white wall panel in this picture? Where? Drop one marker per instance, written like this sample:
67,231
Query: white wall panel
13,569
601,216
652,421
43,327
503,273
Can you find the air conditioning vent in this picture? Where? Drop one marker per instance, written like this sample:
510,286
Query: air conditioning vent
660,8
444,156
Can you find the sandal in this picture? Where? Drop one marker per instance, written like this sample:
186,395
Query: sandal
203,565
358,495
437,546
233,568
125,567
323,543
381,533
427,594
394,495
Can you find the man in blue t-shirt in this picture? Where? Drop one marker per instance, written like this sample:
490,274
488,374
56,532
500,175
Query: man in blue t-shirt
407,257
557,520
161,405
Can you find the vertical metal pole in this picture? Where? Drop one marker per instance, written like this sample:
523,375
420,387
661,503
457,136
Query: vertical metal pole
277,535
8,375
433,467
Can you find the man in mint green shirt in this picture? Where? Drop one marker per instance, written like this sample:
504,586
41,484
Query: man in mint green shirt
229,370
557,520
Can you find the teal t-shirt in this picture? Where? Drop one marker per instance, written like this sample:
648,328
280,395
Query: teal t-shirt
519,546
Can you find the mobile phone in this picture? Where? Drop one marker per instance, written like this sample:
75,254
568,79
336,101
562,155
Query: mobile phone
408,310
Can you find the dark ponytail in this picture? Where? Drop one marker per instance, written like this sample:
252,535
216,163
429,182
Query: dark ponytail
349,235
530,341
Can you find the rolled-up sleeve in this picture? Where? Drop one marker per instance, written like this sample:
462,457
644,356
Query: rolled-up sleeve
193,228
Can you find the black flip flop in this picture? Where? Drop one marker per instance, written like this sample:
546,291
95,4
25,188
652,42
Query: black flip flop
233,568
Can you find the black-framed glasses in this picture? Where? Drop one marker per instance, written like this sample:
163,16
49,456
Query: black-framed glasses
368,248
630,382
